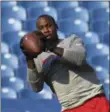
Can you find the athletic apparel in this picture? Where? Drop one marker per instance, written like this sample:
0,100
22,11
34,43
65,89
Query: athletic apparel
98,103
74,82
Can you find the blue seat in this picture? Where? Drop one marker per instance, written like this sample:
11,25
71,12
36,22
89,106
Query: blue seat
60,5
29,25
100,27
101,73
22,60
70,26
4,48
8,3
21,72
34,13
64,4
45,93
16,50
106,39
101,60
12,105
29,105
75,13
6,71
103,76
13,82
10,24
106,86
90,38
48,106
92,5
11,110
61,35
29,94
13,37
14,12
80,3
100,14
8,93
10,60
31,4
97,50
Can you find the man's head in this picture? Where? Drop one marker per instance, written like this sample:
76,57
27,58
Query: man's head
32,44
47,25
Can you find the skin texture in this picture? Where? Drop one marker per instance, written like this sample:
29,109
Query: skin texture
47,27
49,30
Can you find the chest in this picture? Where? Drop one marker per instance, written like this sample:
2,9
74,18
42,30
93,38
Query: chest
41,59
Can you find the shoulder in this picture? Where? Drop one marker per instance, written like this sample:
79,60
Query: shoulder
68,40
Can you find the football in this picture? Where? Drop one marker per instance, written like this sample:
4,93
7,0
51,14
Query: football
32,43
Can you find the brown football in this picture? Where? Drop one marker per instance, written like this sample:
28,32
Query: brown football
32,43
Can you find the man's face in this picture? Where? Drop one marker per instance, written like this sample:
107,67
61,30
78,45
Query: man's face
47,27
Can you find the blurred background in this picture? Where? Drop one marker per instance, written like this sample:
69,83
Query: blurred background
89,20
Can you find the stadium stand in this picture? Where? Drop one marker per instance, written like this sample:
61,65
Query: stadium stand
106,87
4,48
106,39
8,93
75,13
90,38
100,60
100,26
10,24
14,12
10,60
70,26
8,3
92,5
13,37
101,14
6,71
102,73
97,49
22,71
65,4
32,4
43,10
13,82
88,19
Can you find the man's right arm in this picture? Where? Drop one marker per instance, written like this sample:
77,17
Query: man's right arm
35,79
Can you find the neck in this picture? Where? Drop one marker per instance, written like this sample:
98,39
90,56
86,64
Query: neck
55,38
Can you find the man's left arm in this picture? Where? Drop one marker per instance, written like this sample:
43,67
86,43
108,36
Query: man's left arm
75,54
